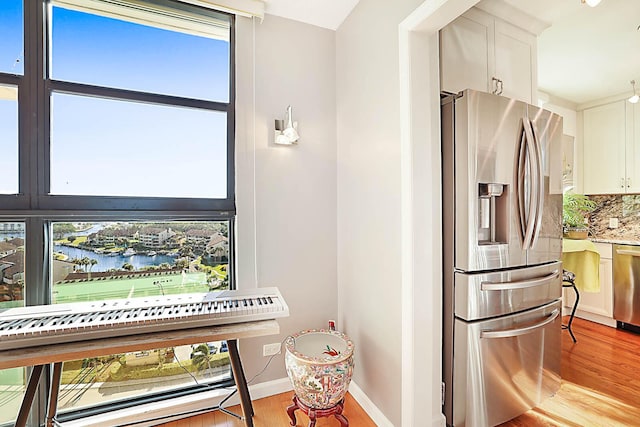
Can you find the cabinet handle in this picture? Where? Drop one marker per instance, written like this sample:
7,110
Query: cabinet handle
497,86
621,182
628,182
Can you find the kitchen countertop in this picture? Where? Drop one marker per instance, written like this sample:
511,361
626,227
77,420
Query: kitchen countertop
614,241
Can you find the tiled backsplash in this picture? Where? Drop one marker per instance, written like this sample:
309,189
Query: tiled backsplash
625,208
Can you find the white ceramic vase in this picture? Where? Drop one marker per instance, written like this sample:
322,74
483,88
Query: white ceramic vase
320,365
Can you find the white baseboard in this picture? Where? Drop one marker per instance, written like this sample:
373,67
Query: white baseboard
369,407
593,317
270,388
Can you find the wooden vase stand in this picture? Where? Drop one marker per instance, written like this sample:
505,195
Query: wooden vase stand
314,414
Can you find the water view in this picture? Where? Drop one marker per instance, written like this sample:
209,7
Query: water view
109,262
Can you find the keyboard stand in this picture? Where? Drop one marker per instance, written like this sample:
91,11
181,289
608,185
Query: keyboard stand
56,354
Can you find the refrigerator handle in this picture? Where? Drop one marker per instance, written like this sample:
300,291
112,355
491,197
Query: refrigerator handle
539,181
521,191
518,284
533,184
508,333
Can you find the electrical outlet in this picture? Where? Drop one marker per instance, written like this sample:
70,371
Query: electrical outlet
271,349
613,222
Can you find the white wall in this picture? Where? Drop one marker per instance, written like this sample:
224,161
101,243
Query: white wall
286,195
369,179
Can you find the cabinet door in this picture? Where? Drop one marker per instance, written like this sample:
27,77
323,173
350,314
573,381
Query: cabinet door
599,303
466,53
632,152
604,149
515,59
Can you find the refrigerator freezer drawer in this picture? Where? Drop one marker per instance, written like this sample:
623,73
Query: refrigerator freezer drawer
505,366
483,295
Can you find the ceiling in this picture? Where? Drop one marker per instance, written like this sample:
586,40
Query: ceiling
586,54
323,13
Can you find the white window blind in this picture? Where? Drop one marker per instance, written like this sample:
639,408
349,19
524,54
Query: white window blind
237,7
160,13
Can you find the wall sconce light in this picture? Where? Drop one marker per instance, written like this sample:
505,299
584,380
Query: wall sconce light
634,98
286,132
592,3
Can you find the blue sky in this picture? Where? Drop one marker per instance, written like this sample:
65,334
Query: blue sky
115,148
11,36
10,62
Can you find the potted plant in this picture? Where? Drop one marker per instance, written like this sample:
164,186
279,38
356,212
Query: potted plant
575,208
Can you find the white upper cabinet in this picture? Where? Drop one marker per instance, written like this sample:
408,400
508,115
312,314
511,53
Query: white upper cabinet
632,149
611,149
482,52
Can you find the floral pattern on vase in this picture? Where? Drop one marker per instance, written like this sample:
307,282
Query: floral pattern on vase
320,364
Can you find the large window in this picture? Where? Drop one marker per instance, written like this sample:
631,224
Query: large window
116,175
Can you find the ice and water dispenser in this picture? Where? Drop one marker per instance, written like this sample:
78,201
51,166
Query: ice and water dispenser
492,214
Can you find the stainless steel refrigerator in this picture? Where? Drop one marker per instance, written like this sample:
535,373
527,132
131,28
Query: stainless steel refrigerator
502,243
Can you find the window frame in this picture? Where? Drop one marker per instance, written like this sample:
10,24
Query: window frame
37,209
34,133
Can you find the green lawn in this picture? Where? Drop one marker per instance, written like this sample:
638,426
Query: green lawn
129,287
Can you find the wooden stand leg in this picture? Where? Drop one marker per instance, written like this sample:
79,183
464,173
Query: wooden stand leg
241,382
53,393
30,392
314,414
291,409
343,420
312,418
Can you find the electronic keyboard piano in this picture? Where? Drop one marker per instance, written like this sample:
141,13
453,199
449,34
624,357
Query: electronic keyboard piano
50,324
53,334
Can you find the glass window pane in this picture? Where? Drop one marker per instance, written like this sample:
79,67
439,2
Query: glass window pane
8,139
11,37
104,147
104,51
97,261
12,381
11,264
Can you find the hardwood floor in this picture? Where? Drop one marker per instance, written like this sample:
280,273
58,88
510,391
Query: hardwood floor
600,381
600,387
272,412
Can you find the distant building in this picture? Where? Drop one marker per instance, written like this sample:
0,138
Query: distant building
218,246
198,237
7,248
154,237
11,227
13,270
111,235
12,276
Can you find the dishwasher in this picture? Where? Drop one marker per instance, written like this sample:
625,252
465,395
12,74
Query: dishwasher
626,286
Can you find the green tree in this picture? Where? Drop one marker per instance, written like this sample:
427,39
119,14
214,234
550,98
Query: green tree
127,266
200,357
182,263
